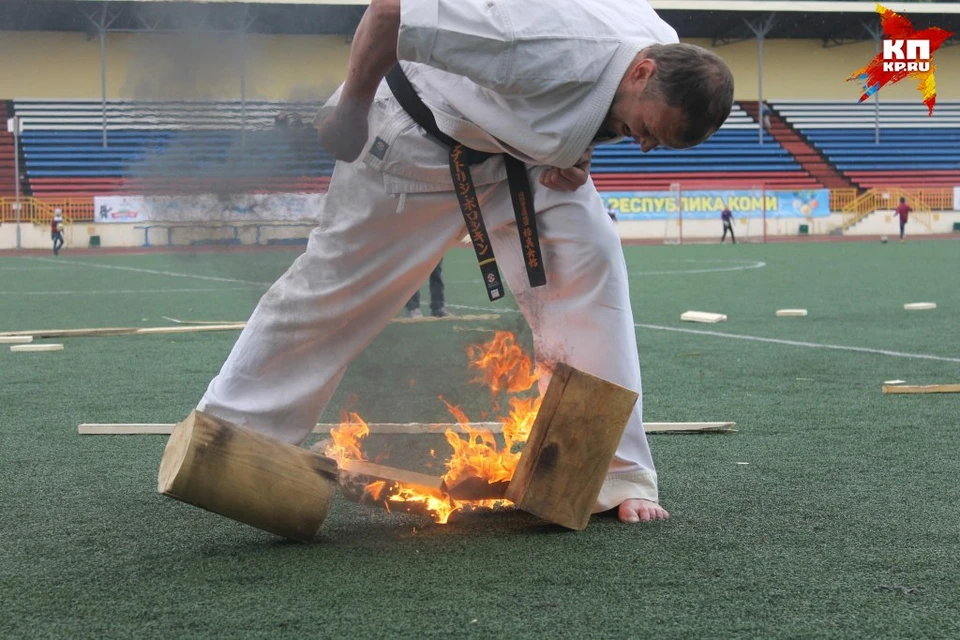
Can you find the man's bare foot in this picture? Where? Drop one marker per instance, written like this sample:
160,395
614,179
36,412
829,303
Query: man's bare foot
641,511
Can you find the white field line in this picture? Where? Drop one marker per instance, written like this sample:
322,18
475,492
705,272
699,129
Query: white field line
734,336
120,291
29,268
157,272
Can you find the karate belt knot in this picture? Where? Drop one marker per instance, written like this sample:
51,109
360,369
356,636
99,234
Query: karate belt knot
461,158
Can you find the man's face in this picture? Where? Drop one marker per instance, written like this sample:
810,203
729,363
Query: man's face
639,113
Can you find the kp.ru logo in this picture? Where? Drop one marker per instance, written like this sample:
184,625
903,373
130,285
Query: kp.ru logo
906,52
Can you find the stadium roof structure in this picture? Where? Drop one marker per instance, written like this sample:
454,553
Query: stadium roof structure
834,22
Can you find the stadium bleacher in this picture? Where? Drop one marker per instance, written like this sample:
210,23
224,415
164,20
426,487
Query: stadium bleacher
732,158
915,149
193,147
170,147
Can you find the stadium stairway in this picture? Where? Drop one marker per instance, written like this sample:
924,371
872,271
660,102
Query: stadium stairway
809,157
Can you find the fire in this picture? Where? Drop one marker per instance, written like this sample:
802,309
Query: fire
502,363
503,367
345,439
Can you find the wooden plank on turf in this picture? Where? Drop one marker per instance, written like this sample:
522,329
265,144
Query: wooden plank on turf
571,444
36,347
422,482
199,327
928,388
702,316
395,428
689,427
246,476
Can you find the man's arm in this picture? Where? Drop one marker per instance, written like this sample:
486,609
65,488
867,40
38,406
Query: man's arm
373,53
569,179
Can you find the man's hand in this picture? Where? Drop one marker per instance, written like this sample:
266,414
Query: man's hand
373,53
569,179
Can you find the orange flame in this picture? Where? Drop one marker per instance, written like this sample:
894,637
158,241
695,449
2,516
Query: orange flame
502,364
503,367
345,444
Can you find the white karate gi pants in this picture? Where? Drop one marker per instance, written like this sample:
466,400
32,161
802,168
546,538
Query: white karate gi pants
373,249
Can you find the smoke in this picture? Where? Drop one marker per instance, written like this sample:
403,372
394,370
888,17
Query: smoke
197,117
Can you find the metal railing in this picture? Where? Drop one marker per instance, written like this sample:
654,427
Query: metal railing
37,211
922,201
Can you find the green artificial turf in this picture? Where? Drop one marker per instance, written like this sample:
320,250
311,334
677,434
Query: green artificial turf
843,523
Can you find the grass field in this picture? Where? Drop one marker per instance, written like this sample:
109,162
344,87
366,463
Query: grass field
844,522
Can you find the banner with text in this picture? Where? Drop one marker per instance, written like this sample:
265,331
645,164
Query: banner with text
707,204
209,208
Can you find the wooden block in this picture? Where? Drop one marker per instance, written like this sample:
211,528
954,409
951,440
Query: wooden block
571,444
36,347
791,313
919,306
929,388
246,476
476,489
15,339
702,316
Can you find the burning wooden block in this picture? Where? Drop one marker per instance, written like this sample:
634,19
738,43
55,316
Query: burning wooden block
246,476
360,473
573,440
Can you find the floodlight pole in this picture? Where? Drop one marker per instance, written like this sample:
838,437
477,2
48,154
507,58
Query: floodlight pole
245,22
102,25
760,29
876,94
13,124
103,82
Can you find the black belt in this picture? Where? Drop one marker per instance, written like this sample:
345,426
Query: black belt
461,157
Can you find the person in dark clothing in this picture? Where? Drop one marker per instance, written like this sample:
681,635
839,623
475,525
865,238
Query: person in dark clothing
437,310
727,217
903,210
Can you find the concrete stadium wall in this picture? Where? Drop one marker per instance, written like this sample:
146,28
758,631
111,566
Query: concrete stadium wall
886,222
204,66
805,70
170,66
129,235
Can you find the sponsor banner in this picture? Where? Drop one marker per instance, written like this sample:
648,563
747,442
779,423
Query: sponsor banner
707,204
956,198
209,208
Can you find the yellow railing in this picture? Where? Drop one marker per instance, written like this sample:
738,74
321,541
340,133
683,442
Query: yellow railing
840,198
37,211
922,201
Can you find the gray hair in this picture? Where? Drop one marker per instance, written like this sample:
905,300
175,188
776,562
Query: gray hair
696,81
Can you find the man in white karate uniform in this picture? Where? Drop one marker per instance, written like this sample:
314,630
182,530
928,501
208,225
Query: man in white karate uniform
534,81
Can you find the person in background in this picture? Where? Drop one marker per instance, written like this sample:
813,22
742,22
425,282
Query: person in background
56,231
437,309
727,217
903,210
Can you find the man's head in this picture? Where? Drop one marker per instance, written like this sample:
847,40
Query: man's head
673,95
903,200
